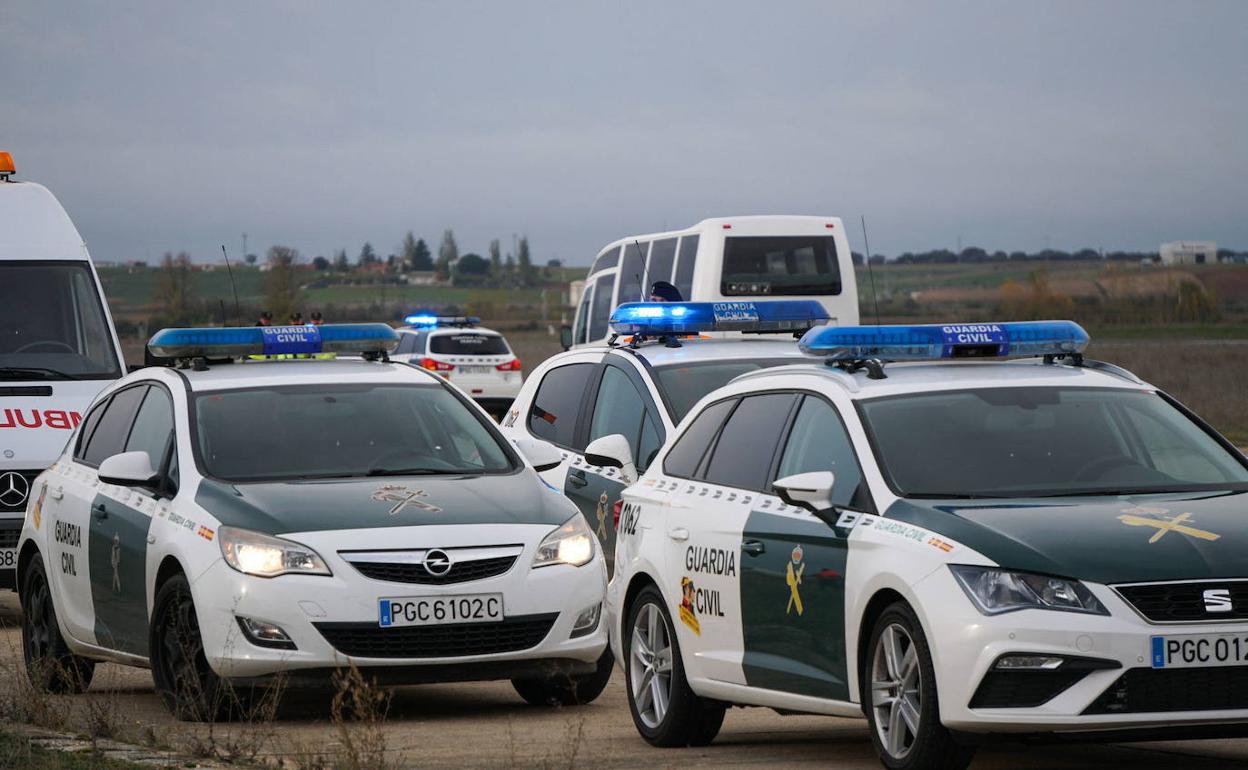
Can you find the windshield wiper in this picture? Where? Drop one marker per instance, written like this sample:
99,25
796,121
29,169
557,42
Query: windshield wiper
409,472
26,372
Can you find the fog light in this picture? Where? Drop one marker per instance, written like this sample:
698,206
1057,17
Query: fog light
1028,663
587,621
264,634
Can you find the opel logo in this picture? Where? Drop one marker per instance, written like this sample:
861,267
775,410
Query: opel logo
437,562
13,489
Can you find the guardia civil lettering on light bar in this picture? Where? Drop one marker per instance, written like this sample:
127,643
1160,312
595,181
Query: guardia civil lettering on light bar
662,318
935,341
233,342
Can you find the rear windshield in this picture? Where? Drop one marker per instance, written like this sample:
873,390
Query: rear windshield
331,431
780,265
682,385
468,344
52,324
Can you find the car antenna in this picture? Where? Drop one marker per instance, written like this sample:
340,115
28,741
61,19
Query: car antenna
238,314
871,275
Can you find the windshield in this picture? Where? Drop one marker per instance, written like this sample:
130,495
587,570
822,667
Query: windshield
780,265
682,385
1041,442
468,344
325,431
52,324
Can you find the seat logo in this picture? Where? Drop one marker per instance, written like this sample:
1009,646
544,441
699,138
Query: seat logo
1218,600
13,489
437,562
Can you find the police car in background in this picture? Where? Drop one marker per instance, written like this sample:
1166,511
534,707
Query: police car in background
57,343
224,522
630,393
476,359
955,548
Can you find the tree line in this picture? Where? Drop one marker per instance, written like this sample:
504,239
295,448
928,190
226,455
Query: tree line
974,254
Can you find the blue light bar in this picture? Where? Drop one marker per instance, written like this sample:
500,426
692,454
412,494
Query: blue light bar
233,342
659,318
932,341
431,320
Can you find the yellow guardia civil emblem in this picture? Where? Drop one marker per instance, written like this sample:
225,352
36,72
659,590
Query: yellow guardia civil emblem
602,517
688,614
1158,518
36,513
793,576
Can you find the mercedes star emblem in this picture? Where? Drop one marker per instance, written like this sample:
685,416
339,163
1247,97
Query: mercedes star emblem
13,489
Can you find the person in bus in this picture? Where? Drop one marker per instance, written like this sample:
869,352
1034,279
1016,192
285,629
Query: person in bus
662,291
266,318
317,318
296,318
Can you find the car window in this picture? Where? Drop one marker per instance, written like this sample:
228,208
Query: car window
632,269
88,427
582,318
743,452
153,427
601,314
109,436
621,408
818,442
659,268
468,344
411,343
687,453
684,266
684,384
557,402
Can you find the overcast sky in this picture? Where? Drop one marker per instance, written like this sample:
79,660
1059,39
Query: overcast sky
167,126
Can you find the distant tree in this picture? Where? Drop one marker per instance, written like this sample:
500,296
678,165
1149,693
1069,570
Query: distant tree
448,253
251,259
496,257
341,263
472,264
407,250
367,255
554,263
973,254
878,259
393,264
422,258
855,257
1086,255
524,262
280,289
173,287
320,263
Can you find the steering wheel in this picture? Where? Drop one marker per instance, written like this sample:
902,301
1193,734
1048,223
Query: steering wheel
1096,468
37,343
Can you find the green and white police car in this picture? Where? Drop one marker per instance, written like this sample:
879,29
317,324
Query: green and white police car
222,522
956,548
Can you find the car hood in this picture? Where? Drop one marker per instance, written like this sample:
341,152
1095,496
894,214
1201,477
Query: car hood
330,504
1189,536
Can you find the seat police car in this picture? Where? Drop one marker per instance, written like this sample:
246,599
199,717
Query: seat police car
223,522
478,360
956,548
632,391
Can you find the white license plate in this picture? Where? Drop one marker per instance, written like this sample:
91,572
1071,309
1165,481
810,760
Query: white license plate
8,558
1199,651
436,610
475,369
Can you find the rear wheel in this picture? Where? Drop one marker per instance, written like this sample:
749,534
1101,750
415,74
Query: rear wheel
50,666
189,687
568,690
666,711
900,698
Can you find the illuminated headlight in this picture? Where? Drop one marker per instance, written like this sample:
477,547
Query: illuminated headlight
994,591
267,556
572,543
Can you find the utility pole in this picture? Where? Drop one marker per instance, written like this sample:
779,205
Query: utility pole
244,247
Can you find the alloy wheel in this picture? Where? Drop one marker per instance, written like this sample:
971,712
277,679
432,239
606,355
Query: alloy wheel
895,692
650,672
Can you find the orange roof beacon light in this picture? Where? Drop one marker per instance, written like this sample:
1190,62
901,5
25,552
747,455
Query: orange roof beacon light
6,166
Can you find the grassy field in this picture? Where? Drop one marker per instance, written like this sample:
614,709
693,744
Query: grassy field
18,753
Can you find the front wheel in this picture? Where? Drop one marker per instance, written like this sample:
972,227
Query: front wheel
50,666
666,711
899,695
568,690
189,687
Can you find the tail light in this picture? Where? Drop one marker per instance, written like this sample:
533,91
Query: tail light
436,366
511,366
615,511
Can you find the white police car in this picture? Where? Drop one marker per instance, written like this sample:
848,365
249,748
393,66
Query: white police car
955,548
637,388
221,522
478,360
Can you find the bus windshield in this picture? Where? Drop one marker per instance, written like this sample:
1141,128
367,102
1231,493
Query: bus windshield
52,324
757,266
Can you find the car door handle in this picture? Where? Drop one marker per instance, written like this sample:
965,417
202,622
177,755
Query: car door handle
99,512
678,533
577,478
57,493
753,547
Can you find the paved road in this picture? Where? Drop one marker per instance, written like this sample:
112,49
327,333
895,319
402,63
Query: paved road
488,725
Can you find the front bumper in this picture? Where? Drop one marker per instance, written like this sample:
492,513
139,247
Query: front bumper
333,620
1114,689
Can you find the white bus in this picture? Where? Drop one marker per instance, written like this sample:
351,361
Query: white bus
58,348
728,258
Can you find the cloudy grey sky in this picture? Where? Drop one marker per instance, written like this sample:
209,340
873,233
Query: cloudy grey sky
321,125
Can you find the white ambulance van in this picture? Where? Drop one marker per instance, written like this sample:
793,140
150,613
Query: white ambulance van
58,348
723,260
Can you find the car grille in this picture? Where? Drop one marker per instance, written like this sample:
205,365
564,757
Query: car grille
9,537
15,490
460,572
450,640
1153,690
1185,602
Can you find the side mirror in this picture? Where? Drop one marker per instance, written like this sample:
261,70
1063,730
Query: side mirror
565,336
129,469
812,491
543,454
612,452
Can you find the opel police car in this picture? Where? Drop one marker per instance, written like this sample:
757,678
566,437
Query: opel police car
954,544
224,522
478,360
58,348
632,391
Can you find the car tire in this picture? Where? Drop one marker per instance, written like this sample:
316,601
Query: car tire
186,683
50,666
898,689
652,655
568,690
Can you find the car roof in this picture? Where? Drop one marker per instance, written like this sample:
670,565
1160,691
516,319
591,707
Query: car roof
702,350
253,374
438,330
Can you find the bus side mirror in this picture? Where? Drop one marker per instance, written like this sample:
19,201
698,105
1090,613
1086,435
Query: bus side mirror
565,336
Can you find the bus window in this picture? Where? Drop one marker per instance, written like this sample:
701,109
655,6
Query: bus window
780,265
659,268
601,307
684,267
606,261
582,318
632,267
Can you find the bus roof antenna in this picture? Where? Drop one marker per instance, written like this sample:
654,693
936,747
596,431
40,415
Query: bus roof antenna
871,275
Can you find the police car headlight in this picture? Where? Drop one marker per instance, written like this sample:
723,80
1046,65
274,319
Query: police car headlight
572,543
994,591
267,556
